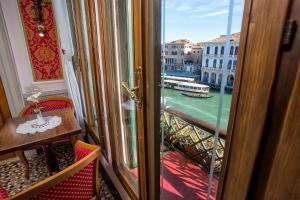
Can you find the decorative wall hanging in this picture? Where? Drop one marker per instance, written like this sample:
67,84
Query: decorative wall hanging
41,38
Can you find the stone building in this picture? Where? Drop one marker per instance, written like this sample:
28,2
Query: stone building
213,61
175,54
197,56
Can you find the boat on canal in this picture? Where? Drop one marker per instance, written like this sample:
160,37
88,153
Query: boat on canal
187,86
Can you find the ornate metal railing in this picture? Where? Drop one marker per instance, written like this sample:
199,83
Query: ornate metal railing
192,137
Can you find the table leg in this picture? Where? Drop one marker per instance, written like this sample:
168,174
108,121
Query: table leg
51,160
22,157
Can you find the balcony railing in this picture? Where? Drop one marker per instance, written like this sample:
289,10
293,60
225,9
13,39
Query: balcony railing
192,137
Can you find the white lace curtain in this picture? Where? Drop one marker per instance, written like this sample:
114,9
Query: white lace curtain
66,44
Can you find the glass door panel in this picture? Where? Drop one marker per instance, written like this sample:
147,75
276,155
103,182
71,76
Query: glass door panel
126,75
199,58
234,21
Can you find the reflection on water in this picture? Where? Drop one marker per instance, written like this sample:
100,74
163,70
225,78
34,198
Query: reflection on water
203,108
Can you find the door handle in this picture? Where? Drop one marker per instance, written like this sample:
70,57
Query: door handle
136,92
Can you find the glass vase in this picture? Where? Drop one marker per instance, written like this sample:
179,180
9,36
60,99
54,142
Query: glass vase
40,119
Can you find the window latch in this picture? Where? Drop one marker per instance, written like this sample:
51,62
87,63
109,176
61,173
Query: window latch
289,32
136,92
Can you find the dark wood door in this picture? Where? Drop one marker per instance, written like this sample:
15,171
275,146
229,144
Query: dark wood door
263,148
4,109
284,175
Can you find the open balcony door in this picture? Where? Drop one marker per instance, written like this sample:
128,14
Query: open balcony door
262,147
130,58
130,50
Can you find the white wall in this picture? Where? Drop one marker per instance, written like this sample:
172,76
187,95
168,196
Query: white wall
19,49
8,71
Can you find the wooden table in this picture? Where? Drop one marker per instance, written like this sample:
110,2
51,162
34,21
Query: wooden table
11,141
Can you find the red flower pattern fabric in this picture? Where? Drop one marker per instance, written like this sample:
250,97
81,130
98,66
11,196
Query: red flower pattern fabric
44,52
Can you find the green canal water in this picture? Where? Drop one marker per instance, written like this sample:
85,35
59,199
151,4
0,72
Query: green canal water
204,109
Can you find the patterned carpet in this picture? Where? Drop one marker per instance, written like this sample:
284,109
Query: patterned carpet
12,172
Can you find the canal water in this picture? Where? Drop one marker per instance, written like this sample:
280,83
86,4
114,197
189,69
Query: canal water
204,109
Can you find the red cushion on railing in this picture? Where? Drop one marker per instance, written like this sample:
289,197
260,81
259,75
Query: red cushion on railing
77,187
3,193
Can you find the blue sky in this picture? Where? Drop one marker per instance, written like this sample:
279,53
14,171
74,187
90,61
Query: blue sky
200,20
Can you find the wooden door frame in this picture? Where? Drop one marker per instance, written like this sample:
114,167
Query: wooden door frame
109,60
255,76
92,33
260,43
151,56
146,25
275,132
286,158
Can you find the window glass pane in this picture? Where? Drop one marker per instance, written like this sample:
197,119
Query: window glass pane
125,74
195,105
87,59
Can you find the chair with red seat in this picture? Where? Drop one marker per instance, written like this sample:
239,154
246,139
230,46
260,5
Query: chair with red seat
77,182
46,104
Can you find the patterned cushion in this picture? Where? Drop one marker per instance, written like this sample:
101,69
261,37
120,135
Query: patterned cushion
50,105
77,187
3,193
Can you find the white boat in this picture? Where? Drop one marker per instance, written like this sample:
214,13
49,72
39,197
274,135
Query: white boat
186,85
178,78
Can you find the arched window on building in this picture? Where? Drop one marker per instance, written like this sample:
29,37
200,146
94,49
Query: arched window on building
236,50
230,80
229,64
215,63
205,77
231,50
206,62
234,64
222,50
216,50
207,50
221,63
220,79
213,78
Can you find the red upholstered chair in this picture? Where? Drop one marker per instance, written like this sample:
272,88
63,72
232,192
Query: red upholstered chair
3,194
77,182
46,104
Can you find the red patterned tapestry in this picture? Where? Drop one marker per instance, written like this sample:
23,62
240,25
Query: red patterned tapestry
43,51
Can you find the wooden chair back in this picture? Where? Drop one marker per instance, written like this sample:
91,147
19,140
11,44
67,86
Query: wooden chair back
48,104
34,191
